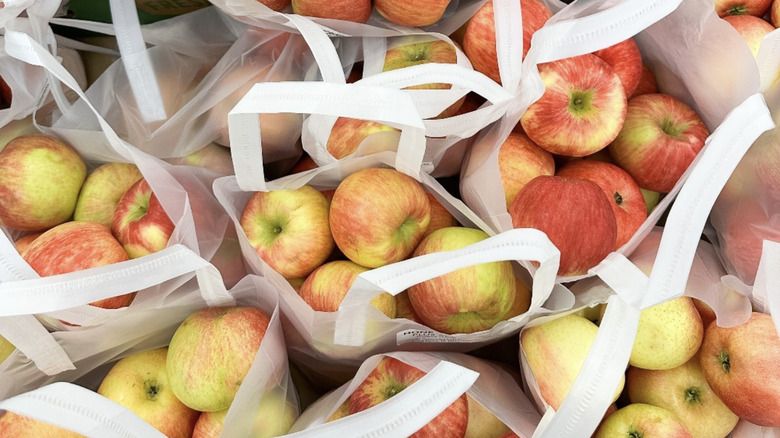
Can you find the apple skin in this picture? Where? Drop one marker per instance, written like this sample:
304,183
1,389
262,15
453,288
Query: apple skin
643,420
103,189
74,246
740,364
40,179
774,14
23,243
6,348
482,423
741,232
628,204
140,223
647,83
392,376
274,417
582,109
20,426
685,392
139,382
378,216
742,7
625,58
440,216
651,199
211,353
410,12
325,288
556,350
347,135
479,39
340,412
554,204
289,229
751,28
358,11
404,308
466,300
212,157
519,161
276,5
659,139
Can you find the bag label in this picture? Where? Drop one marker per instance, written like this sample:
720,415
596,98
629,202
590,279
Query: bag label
424,337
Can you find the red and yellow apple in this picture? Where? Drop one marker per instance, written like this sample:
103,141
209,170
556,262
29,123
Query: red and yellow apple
519,161
348,134
751,28
410,12
102,190
358,11
625,58
643,420
140,223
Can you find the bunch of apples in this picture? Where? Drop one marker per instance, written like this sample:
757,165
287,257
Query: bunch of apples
322,240
753,19
403,12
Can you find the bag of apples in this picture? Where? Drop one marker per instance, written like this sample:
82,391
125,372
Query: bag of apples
423,394
186,370
331,259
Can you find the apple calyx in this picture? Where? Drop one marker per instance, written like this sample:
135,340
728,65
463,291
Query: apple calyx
693,395
635,434
725,361
152,388
580,101
618,198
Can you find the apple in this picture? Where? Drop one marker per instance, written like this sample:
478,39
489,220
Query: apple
340,412
647,83
479,39
20,426
276,5
23,243
306,162
555,351
522,301
139,382
6,348
440,216
74,246
651,199
391,376
378,216
482,423
625,58
575,214
643,420
741,235
519,161
410,12
610,410
742,7
582,109
774,14
289,229
6,94
684,391
140,223
740,364
325,288
348,134
16,128
466,300
212,157
660,138
358,11
404,308
211,352
751,28
102,190
628,204
274,417
705,312
40,179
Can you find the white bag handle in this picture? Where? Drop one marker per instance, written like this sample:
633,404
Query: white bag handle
507,16
766,288
348,100
322,48
517,244
705,179
80,410
407,411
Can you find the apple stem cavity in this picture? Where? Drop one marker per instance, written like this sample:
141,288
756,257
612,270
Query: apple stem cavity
579,101
725,363
693,395
393,389
670,129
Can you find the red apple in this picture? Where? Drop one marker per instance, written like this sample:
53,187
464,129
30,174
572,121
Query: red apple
647,83
774,14
23,243
741,365
358,11
139,382
468,299
211,352
378,216
519,161
140,223
741,233
392,376
660,138
440,216
751,28
103,189
742,7
575,214
627,200
20,426
348,134
582,109
74,246
40,179
625,58
411,12
276,5
289,229
325,288
479,39
305,163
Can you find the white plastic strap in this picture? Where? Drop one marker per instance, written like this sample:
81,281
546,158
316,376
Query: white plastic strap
321,47
407,411
12,265
517,244
567,38
622,276
347,100
766,289
509,41
706,177
80,410
136,60
374,51
57,292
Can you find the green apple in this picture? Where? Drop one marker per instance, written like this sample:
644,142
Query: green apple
483,423
556,350
639,420
211,353
140,383
6,348
103,189
685,392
